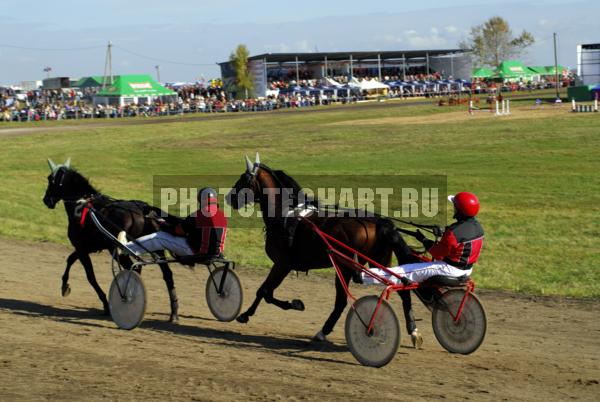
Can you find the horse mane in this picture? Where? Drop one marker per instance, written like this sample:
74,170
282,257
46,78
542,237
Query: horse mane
286,181
81,181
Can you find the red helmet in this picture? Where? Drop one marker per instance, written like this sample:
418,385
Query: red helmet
207,196
466,203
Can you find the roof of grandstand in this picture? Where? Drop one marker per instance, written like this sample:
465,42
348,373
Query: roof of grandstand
358,56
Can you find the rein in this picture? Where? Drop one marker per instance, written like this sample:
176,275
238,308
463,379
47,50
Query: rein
433,229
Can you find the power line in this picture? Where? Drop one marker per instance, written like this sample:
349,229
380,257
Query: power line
162,60
76,49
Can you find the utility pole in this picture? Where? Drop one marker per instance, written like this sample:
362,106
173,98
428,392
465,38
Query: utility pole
108,67
157,67
556,67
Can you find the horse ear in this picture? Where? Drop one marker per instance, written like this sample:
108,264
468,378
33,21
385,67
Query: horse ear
257,161
52,165
248,164
67,164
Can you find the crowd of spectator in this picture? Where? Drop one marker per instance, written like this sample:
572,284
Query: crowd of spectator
487,86
188,100
35,105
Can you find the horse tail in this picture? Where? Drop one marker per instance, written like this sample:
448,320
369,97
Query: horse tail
386,230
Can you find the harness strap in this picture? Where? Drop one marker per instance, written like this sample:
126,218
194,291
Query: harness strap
83,215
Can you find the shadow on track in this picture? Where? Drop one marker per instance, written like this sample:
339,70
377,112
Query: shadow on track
284,345
33,309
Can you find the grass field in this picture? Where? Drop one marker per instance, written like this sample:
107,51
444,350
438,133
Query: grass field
536,173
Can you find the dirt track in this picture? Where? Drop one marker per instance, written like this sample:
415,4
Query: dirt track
55,348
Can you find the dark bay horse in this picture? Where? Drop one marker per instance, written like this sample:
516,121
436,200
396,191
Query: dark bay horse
375,237
135,217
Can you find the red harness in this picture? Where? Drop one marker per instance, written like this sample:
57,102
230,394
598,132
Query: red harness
84,213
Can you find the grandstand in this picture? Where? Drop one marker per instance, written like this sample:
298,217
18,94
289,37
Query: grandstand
382,66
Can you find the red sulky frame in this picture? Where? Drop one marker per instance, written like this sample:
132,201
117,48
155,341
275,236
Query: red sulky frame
335,255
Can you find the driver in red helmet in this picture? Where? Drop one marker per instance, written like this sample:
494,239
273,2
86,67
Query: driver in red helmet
457,250
459,247
453,256
201,233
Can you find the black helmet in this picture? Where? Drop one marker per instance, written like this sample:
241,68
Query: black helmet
207,196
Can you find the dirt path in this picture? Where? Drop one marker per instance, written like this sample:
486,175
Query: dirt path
54,348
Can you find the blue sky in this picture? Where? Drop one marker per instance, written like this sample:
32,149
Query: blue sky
186,38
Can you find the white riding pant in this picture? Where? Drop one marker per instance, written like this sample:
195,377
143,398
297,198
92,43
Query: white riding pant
161,241
418,272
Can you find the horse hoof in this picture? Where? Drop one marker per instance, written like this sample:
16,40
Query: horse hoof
174,319
242,318
319,337
416,339
297,305
357,278
106,312
66,290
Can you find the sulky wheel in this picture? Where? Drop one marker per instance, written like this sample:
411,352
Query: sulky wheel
379,347
227,305
466,334
127,299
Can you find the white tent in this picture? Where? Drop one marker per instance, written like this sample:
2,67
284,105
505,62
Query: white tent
370,85
354,83
330,82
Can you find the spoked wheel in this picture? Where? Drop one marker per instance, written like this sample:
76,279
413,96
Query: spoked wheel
127,299
225,306
379,347
464,335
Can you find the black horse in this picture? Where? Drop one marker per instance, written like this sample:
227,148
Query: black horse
374,236
137,218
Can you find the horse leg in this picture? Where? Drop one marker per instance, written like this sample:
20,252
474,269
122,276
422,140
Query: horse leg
341,300
65,288
274,279
404,256
168,278
409,318
91,277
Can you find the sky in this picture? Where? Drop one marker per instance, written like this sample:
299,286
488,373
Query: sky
186,38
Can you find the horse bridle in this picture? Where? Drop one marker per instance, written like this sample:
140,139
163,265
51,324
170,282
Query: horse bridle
66,200
252,180
60,184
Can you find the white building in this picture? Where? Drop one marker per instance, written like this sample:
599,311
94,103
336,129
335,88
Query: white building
588,63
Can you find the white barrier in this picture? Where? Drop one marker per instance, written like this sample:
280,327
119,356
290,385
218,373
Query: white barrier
578,108
503,107
473,108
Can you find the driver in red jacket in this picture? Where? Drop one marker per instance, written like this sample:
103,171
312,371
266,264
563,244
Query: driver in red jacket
454,255
459,247
201,233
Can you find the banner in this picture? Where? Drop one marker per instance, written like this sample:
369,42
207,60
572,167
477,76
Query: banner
257,69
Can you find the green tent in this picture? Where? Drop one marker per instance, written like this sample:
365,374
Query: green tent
139,85
512,70
547,70
93,81
482,72
132,89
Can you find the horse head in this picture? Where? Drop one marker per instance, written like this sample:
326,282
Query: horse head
247,187
65,183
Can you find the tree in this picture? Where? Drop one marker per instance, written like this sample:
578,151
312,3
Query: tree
243,80
493,42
